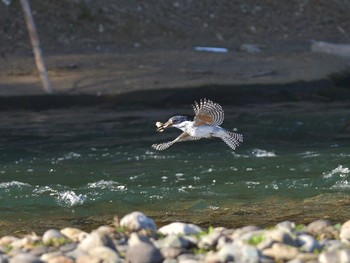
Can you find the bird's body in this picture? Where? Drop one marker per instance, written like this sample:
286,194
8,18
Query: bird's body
206,124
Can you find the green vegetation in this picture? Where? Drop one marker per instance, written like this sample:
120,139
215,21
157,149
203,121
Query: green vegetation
256,239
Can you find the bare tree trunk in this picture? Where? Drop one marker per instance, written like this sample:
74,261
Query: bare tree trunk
36,46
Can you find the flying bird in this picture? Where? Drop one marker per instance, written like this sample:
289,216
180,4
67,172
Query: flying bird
206,124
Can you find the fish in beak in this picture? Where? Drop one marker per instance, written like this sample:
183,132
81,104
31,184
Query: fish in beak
162,126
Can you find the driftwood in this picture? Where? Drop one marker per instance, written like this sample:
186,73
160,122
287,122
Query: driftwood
342,50
33,35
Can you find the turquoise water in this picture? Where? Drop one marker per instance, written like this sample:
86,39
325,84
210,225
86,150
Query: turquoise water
80,166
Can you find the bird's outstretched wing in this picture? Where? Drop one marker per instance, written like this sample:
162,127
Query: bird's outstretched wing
207,112
181,138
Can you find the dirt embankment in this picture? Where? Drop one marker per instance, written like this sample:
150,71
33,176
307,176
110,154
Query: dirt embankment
109,47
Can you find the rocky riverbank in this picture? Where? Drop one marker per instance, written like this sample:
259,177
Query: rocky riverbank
135,238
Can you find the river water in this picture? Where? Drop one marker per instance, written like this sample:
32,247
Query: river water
81,166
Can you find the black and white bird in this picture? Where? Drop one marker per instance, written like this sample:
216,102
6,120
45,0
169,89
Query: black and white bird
206,124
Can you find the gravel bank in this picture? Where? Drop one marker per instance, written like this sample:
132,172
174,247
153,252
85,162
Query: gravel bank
135,238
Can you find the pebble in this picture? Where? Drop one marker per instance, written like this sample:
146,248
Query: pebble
143,252
141,242
179,228
53,235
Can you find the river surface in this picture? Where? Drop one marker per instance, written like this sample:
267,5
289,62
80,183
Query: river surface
81,166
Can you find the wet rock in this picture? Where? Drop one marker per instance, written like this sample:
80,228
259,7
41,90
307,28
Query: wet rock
136,221
179,228
281,252
143,252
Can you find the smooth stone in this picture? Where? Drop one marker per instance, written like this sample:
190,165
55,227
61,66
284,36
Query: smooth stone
222,241
286,226
7,240
346,225
173,241
60,259
339,256
281,236
317,227
76,253
68,247
171,252
308,257
136,221
51,235
266,243
179,228
280,251
25,242
239,252
209,241
88,259
39,250
4,259
190,258
24,258
170,260
345,234
74,234
47,256
143,252
308,243
244,230
136,239
96,239
296,260
107,255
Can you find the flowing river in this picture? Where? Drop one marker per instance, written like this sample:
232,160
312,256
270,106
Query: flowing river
80,166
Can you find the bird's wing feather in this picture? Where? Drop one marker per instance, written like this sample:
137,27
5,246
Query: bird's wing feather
207,112
181,138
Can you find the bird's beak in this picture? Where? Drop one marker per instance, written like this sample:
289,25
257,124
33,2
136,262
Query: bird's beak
162,126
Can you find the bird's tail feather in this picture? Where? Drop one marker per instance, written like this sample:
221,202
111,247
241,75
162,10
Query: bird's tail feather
232,139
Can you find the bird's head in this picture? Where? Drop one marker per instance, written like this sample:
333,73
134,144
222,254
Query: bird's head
174,121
